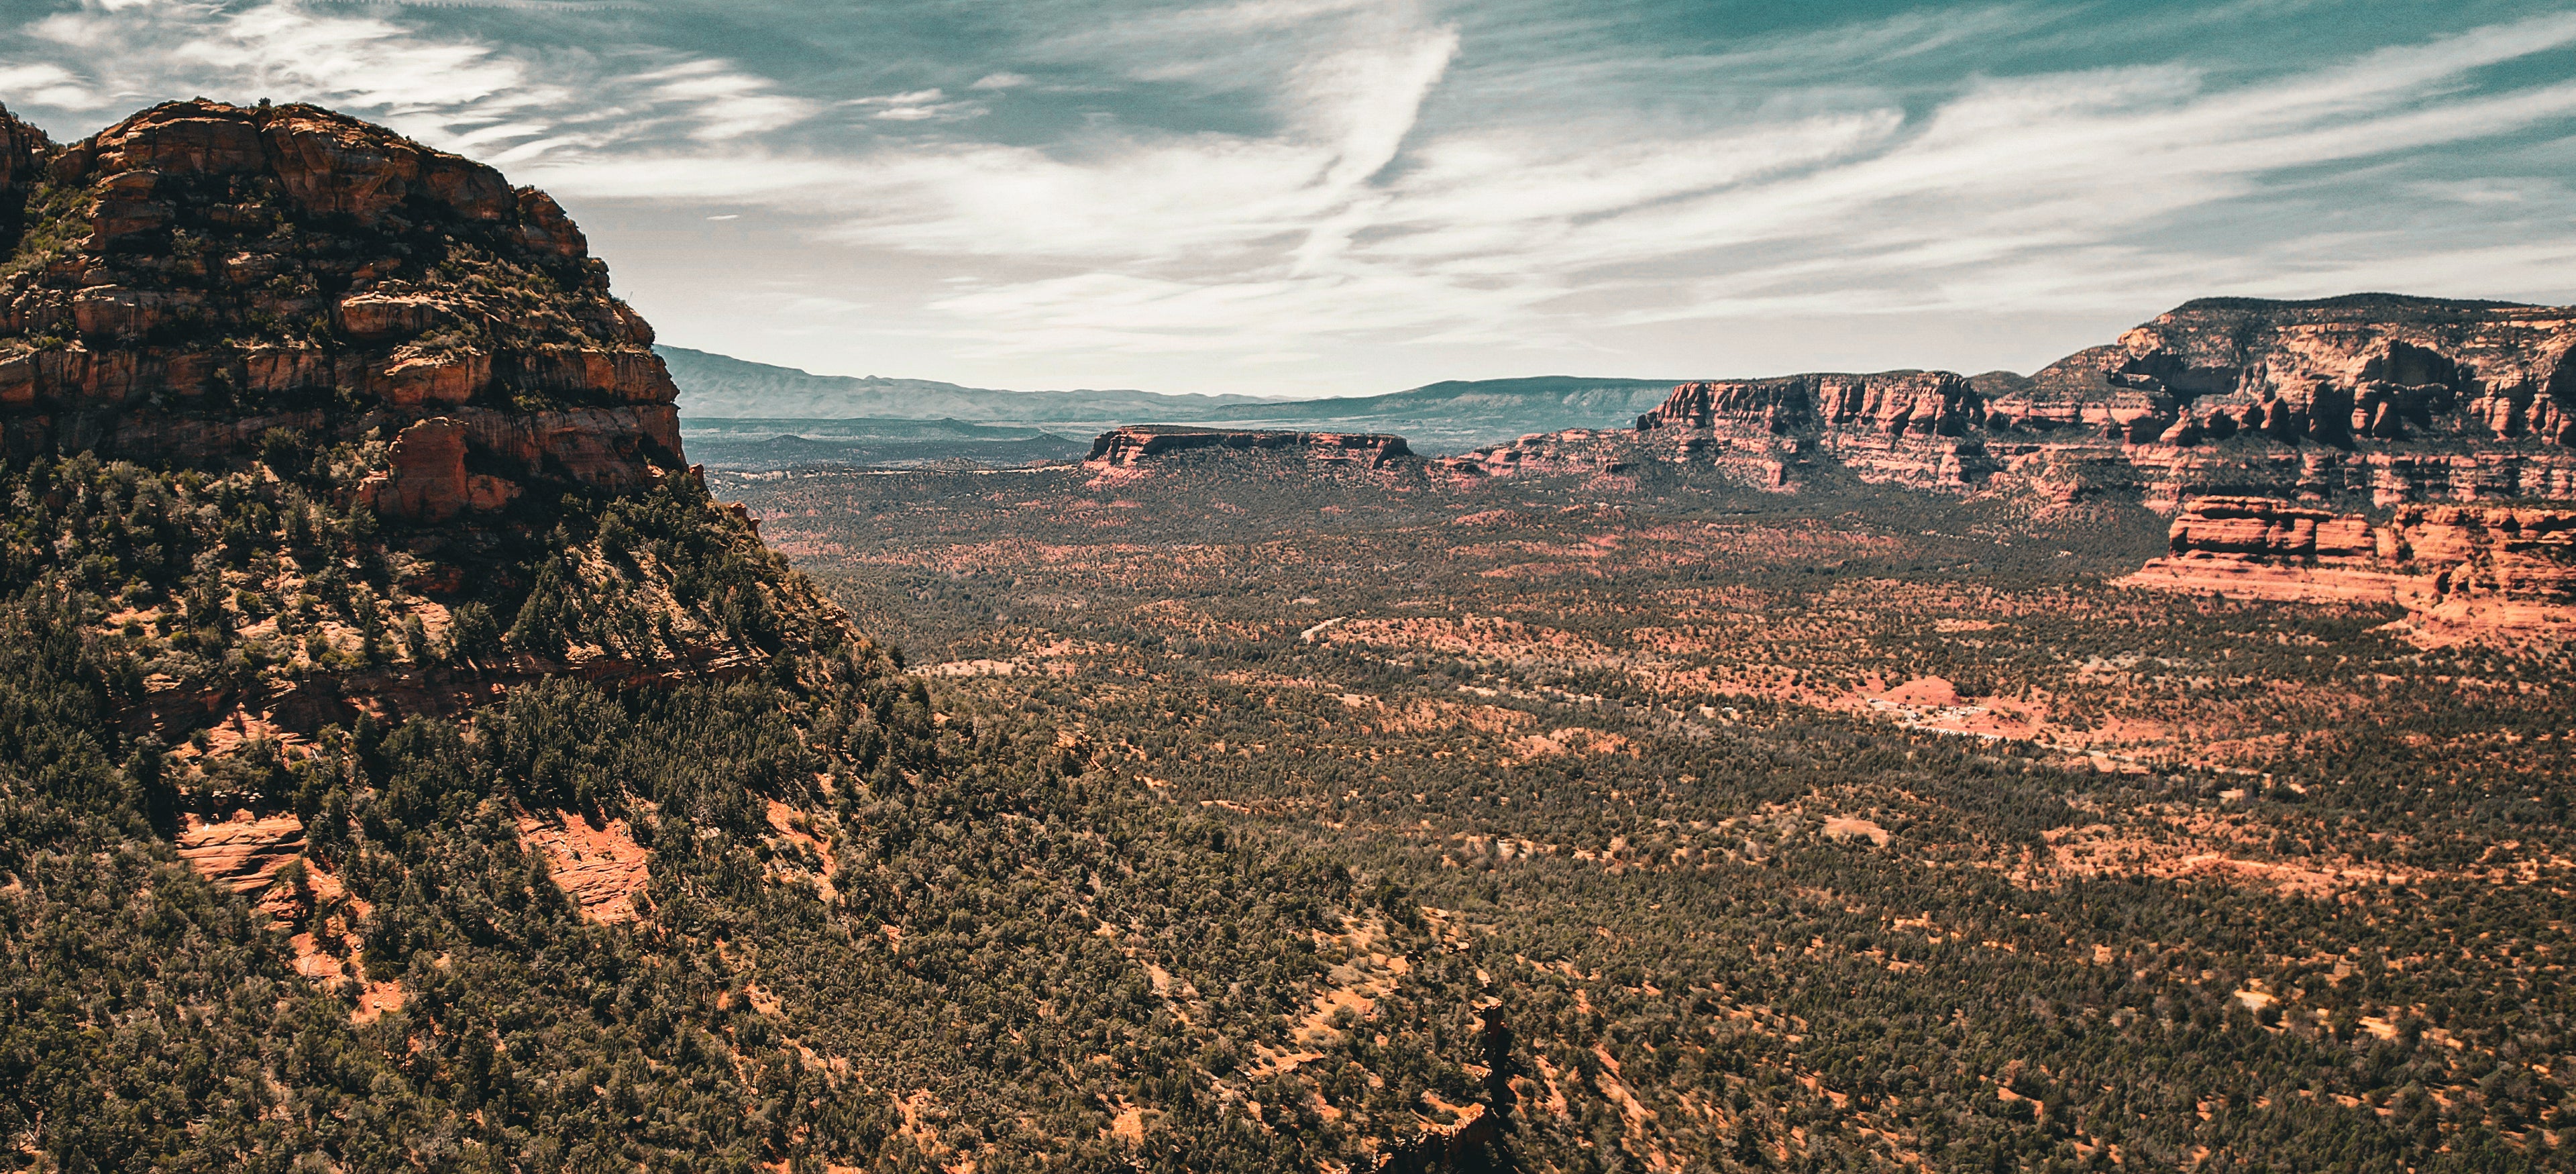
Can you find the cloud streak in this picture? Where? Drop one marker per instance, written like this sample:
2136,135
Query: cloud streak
1296,177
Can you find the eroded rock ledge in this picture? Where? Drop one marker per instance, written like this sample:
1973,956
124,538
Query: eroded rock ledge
2458,570
2372,399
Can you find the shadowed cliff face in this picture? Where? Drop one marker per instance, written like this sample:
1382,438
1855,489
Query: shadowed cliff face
195,276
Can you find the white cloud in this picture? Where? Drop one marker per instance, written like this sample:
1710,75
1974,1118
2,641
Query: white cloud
918,106
452,91
1383,173
2015,191
725,103
44,85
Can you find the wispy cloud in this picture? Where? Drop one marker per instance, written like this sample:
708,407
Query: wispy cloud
1356,219
454,91
919,106
1260,178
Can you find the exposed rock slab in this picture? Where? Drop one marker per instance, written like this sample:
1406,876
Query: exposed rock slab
243,852
1136,445
598,865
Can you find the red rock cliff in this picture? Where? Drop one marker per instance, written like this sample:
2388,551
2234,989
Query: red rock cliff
2366,400
198,274
2462,568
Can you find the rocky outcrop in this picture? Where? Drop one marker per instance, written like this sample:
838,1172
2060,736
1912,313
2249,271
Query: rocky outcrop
426,480
2336,371
243,852
1580,452
1138,445
1911,427
200,273
2455,568
596,862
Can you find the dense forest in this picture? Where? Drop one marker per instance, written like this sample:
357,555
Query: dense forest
1598,866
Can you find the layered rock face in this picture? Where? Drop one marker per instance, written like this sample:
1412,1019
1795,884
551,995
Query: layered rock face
2373,399
2455,567
1137,445
199,274
1912,427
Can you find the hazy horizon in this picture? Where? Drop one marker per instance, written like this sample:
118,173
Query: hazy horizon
1301,198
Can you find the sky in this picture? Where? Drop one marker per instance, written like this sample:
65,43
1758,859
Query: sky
1348,197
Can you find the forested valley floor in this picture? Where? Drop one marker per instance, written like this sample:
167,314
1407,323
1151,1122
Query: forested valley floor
1221,820
1839,831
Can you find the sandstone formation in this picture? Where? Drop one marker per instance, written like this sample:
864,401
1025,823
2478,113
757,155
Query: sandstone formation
2370,400
1134,444
2453,567
242,852
187,280
1912,427
351,378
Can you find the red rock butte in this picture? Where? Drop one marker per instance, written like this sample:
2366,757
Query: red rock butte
199,274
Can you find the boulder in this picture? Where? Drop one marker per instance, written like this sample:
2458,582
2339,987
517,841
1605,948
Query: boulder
426,479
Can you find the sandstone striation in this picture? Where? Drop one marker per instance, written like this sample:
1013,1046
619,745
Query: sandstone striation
1136,444
243,852
192,277
2456,569
596,862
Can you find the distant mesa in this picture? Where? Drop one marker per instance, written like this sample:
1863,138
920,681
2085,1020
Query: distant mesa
1136,445
2373,398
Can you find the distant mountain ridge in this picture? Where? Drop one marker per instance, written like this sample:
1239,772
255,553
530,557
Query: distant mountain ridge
1449,415
721,386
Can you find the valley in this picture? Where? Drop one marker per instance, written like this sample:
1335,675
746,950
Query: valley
1856,828
423,747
